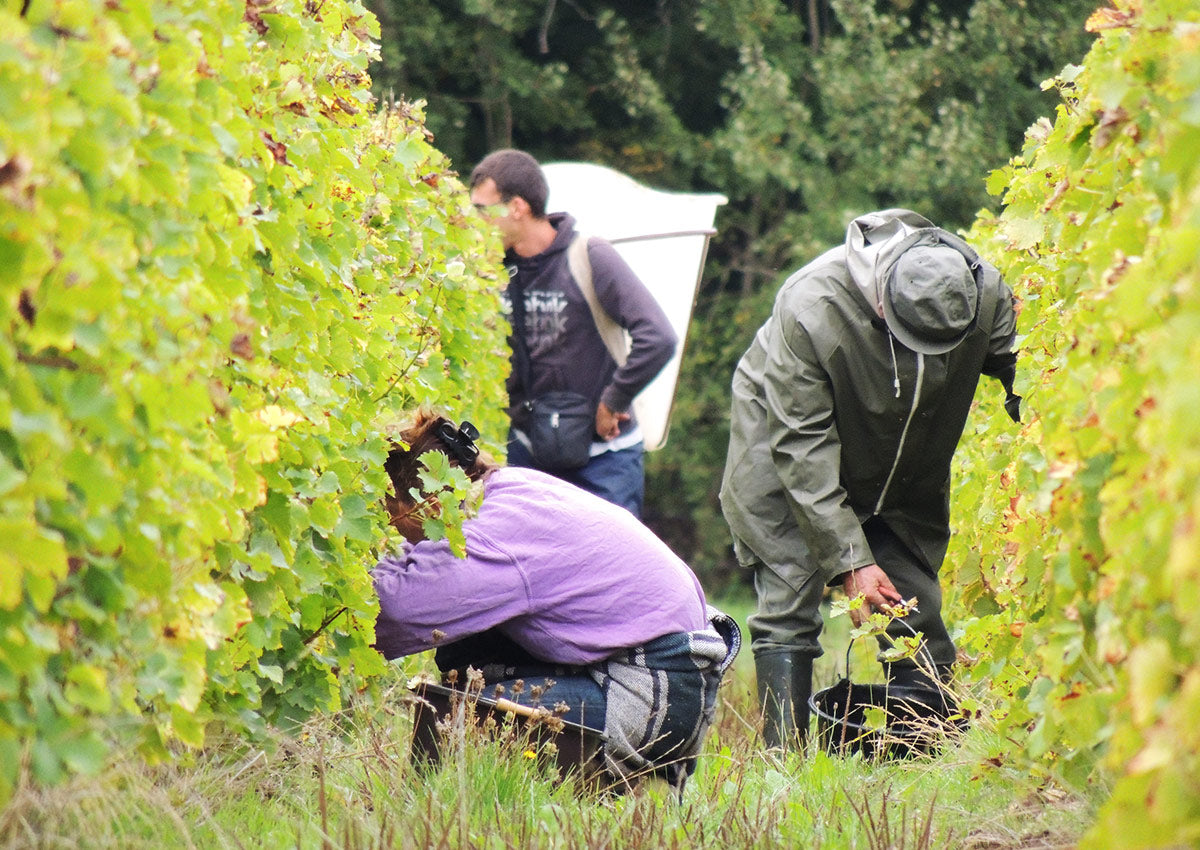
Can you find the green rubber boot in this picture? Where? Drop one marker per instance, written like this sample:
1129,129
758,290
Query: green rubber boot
784,686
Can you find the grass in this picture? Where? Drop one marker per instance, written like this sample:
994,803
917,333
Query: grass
345,782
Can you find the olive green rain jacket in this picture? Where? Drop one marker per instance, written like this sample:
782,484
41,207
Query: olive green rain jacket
834,421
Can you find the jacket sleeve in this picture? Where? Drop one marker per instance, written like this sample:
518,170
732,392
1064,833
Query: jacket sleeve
428,596
807,450
625,298
1001,361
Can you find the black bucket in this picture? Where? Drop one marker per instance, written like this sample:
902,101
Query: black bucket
575,747
916,720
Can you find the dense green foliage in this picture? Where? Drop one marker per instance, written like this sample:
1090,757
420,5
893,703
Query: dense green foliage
218,271
803,114
1087,604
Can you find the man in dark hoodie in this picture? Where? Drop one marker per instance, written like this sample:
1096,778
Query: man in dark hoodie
847,409
557,346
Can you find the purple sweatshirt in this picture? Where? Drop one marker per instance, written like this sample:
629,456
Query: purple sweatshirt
564,574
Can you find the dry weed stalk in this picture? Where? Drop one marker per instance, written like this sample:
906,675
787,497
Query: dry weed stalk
883,835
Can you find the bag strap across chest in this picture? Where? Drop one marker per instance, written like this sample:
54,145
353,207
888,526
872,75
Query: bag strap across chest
616,340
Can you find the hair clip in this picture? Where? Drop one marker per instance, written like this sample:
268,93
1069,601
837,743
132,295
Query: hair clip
460,441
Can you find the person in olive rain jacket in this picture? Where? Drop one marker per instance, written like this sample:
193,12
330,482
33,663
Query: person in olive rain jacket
847,409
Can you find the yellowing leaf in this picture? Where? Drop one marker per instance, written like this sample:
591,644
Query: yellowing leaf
1024,232
1157,754
1107,19
235,185
10,582
292,91
87,685
262,448
27,549
1151,676
274,416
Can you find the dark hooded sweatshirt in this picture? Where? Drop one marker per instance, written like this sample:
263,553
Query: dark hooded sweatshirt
566,351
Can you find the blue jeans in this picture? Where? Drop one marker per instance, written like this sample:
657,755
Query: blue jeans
616,477
581,695
503,662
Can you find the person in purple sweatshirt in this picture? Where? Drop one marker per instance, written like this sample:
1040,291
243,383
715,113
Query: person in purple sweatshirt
556,345
558,585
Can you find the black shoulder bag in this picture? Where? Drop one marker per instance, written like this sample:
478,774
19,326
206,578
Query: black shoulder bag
560,424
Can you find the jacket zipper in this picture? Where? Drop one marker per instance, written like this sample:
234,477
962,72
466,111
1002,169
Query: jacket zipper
904,433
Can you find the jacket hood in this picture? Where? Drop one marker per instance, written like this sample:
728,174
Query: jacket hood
923,281
873,242
564,226
564,223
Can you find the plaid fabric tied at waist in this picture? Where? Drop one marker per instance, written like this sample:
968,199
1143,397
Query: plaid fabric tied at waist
661,698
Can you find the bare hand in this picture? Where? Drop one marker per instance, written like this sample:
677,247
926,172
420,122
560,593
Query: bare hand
872,583
608,424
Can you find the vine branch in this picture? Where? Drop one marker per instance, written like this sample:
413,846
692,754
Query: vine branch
324,625
421,350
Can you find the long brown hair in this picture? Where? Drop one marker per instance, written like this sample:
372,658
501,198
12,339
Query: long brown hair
433,433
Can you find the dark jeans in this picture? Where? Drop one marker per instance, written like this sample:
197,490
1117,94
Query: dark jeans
504,663
616,477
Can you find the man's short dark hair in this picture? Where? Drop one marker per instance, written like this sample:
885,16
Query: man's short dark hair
517,175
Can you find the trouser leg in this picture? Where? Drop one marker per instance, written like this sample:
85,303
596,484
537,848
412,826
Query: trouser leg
617,477
516,454
575,698
935,659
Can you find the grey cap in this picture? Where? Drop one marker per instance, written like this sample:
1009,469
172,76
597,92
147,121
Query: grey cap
930,298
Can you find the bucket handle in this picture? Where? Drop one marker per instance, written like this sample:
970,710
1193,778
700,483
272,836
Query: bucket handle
923,647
